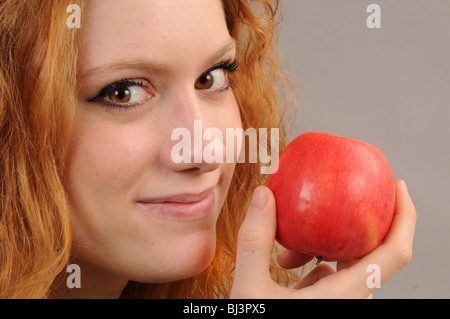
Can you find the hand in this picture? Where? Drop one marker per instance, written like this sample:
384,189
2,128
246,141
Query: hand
255,244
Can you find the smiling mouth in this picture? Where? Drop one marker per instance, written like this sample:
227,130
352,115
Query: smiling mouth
187,198
186,206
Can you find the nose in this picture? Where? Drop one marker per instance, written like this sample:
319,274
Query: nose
191,144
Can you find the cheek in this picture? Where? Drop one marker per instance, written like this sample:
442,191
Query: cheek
102,166
233,120
233,117
227,118
106,158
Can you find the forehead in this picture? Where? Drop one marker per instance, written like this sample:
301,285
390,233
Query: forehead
161,30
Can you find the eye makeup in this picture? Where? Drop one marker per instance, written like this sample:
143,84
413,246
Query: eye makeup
129,92
229,65
116,94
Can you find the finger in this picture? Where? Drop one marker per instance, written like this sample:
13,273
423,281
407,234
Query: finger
290,259
321,271
403,224
345,264
255,242
387,259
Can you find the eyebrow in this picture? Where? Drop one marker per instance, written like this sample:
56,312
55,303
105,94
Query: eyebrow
150,66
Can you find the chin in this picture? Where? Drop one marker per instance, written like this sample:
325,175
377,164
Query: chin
178,263
197,262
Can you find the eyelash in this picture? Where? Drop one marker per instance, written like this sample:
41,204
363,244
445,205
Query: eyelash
230,66
100,98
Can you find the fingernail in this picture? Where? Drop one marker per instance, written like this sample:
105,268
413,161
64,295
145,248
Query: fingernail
258,200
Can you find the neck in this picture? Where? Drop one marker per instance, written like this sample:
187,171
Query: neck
83,281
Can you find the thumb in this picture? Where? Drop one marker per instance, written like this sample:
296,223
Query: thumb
255,243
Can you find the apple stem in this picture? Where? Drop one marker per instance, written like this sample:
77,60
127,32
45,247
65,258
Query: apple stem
319,259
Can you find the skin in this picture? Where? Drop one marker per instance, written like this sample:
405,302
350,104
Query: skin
120,155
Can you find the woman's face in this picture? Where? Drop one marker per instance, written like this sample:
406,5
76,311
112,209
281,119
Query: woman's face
137,214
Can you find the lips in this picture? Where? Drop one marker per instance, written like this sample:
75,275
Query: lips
188,206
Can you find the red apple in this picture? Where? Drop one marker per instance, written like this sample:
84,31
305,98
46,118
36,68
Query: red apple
335,196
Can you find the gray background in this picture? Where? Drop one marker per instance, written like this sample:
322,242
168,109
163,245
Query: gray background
389,87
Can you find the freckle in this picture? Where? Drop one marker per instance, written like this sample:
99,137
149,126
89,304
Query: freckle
97,173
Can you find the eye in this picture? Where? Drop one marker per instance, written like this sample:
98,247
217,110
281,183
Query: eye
124,93
213,80
128,94
216,78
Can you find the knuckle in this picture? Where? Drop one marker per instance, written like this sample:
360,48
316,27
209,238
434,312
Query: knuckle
412,213
404,255
250,239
